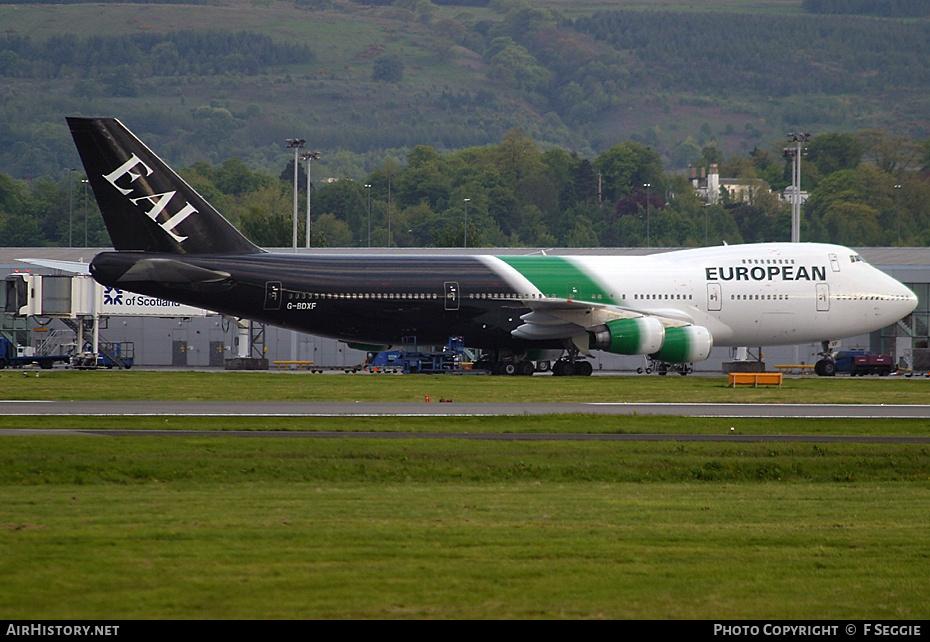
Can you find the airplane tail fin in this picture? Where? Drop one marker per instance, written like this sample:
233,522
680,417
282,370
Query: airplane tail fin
146,206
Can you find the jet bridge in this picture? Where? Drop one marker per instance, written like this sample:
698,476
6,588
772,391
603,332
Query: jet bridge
81,303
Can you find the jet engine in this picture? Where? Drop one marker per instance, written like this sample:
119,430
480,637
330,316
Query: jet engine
642,335
685,344
647,335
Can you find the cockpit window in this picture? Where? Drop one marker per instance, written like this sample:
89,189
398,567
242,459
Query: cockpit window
855,258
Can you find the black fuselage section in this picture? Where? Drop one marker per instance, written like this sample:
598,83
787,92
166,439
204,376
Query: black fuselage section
377,300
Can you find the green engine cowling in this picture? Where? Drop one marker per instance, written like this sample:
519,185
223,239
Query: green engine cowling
642,335
647,335
685,344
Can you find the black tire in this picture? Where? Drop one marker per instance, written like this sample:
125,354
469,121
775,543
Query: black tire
509,368
584,369
829,368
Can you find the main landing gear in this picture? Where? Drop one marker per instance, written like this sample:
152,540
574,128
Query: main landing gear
501,363
570,365
825,367
569,368
662,368
505,364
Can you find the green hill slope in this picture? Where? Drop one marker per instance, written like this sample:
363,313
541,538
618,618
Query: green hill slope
235,78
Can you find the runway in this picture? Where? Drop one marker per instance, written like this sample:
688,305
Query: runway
451,409
385,409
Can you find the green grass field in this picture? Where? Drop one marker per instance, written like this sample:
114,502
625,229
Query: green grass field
197,526
292,386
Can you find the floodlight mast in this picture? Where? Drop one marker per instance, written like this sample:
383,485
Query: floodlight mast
794,153
295,144
309,157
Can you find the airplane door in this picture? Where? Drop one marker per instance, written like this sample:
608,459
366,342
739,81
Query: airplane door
713,297
834,263
823,297
272,295
452,295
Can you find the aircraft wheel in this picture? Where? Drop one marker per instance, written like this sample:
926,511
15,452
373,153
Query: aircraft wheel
663,369
584,369
527,368
509,368
825,368
543,366
562,368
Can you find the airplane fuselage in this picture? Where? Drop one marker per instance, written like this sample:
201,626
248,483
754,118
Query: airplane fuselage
766,294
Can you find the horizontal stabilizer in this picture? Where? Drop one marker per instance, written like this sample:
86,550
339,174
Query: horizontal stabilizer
171,271
73,267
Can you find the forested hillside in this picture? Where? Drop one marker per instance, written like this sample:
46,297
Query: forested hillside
870,189
370,79
431,97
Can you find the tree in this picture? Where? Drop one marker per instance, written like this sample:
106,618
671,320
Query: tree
889,153
389,68
511,63
626,167
833,152
517,157
346,201
266,216
852,224
328,231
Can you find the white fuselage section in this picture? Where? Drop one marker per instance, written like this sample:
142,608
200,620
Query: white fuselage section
762,294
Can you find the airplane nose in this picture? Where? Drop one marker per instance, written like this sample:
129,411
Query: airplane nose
911,301
907,299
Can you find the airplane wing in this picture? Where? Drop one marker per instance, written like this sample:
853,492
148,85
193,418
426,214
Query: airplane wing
570,319
74,267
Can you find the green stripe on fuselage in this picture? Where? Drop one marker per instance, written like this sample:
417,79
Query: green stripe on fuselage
556,276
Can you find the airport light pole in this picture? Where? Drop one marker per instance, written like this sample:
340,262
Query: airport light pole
295,144
70,205
794,153
648,240
466,201
389,211
309,157
368,191
85,181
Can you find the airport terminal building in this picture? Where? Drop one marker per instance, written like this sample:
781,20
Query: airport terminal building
163,334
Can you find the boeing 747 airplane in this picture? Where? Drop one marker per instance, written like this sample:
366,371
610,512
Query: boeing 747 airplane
672,306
